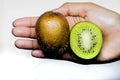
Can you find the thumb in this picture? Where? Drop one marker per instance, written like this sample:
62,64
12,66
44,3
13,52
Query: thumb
74,9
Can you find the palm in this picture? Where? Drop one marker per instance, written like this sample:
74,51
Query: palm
111,44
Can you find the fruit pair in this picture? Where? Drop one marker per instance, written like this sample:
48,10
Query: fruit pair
53,36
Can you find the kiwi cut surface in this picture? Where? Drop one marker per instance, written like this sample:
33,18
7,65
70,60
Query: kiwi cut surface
52,30
86,40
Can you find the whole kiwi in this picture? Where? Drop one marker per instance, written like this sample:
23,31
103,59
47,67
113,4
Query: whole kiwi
52,31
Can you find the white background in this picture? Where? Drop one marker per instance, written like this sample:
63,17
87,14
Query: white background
18,64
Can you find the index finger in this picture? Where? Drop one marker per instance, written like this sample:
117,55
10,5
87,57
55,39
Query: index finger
25,22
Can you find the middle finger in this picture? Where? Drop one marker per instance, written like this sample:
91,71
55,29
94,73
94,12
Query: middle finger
24,32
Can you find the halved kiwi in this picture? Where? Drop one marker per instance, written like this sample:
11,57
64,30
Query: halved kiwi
86,40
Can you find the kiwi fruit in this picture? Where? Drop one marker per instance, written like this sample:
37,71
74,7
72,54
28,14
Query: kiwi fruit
52,31
86,40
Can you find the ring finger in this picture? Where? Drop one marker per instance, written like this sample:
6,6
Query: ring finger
27,44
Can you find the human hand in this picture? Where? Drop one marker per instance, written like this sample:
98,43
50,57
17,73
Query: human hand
107,20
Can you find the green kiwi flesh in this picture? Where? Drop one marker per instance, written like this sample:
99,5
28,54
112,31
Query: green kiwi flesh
86,40
52,30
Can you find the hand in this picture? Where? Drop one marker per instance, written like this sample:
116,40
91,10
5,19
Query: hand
107,20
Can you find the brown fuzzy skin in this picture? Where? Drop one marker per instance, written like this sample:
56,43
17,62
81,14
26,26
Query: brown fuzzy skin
52,31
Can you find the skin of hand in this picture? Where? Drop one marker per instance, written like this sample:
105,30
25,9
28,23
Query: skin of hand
107,20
